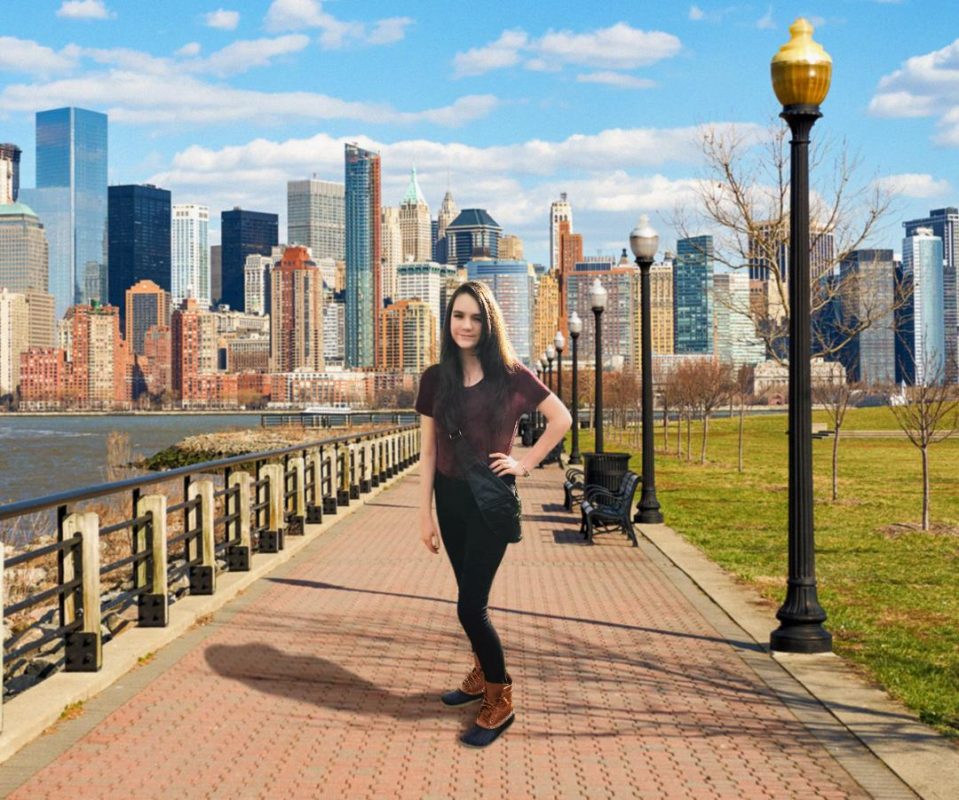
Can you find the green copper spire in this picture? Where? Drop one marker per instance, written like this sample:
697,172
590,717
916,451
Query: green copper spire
414,194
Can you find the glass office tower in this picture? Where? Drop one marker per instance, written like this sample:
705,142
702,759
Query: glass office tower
363,289
693,295
243,233
71,202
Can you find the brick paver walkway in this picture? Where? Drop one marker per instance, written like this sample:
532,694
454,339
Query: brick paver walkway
325,683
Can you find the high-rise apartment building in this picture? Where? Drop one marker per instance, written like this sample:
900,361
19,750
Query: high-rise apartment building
414,216
9,173
315,213
473,234
334,331
511,247
190,255
570,254
23,249
944,223
661,307
296,315
425,281
139,240
546,314
736,342
409,339
243,233
514,286
97,358
194,352
256,283
770,247
921,341
619,320
147,305
392,250
364,297
559,211
70,199
868,281
13,339
693,295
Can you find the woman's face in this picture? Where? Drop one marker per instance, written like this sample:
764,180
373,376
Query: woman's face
466,321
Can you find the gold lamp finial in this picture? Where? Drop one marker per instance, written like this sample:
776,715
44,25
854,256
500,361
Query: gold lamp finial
801,70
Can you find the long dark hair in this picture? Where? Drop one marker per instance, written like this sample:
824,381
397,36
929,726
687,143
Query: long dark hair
493,349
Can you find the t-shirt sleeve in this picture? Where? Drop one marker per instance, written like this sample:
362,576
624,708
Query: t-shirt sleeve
427,393
530,388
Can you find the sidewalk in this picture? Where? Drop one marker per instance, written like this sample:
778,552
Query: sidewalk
323,681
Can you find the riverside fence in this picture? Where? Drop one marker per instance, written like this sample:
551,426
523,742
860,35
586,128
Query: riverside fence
120,555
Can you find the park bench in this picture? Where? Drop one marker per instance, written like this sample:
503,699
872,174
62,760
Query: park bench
604,511
573,487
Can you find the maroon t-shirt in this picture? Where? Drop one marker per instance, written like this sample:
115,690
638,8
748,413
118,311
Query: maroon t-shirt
487,429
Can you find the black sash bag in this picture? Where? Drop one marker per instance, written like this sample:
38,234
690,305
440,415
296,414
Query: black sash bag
497,500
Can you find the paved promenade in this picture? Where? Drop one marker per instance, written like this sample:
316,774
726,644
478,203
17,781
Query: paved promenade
323,680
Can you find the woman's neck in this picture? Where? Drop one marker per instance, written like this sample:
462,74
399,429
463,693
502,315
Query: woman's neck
471,366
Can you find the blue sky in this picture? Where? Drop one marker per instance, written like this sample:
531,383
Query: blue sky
511,103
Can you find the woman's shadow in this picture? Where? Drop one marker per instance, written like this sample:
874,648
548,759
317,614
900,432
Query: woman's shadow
314,680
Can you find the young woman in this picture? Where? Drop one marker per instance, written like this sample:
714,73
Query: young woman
480,388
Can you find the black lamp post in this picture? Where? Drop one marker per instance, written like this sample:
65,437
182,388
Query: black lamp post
575,328
644,242
597,300
550,354
559,342
801,72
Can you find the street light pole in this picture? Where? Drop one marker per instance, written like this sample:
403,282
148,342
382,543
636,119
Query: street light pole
550,355
575,328
644,242
597,298
559,342
801,73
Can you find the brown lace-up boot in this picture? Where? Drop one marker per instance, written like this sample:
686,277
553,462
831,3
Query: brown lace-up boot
471,690
495,716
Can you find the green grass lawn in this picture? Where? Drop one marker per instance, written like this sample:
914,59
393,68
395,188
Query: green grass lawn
891,591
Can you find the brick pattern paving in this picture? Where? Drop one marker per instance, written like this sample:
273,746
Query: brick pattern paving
327,684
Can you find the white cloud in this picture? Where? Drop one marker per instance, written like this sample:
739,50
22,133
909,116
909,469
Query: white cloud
245,54
925,85
504,52
25,55
85,9
766,22
619,46
616,79
696,13
917,185
189,50
222,19
291,15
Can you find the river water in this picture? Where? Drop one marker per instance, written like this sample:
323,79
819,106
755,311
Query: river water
41,455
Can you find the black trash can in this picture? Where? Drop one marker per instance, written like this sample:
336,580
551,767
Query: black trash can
605,469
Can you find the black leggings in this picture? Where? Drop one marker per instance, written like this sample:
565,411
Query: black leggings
475,554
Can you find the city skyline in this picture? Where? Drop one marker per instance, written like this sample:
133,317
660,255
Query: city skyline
523,107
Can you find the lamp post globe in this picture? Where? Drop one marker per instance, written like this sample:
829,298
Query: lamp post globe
644,242
801,74
575,329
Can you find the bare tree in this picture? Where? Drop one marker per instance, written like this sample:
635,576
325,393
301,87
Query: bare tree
713,382
666,388
741,389
927,413
744,199
835,398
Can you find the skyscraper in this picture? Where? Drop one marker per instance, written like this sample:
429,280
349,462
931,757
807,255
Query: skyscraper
661,306
9,173
559,211
243,233
147,305
735,337
71,201
473,234
923,336
193,337
13,339
391,250
216,274
868,280
944,223
363,284
447,213
414,217
619,320
514,286
315,217
23,249
139,240
693,295
570,254
296,315
190,255
409,337
511,247
424,280
546,312
256,279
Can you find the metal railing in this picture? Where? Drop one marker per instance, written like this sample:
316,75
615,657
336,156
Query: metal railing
164,546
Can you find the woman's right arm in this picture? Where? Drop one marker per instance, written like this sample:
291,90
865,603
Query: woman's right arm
428,532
